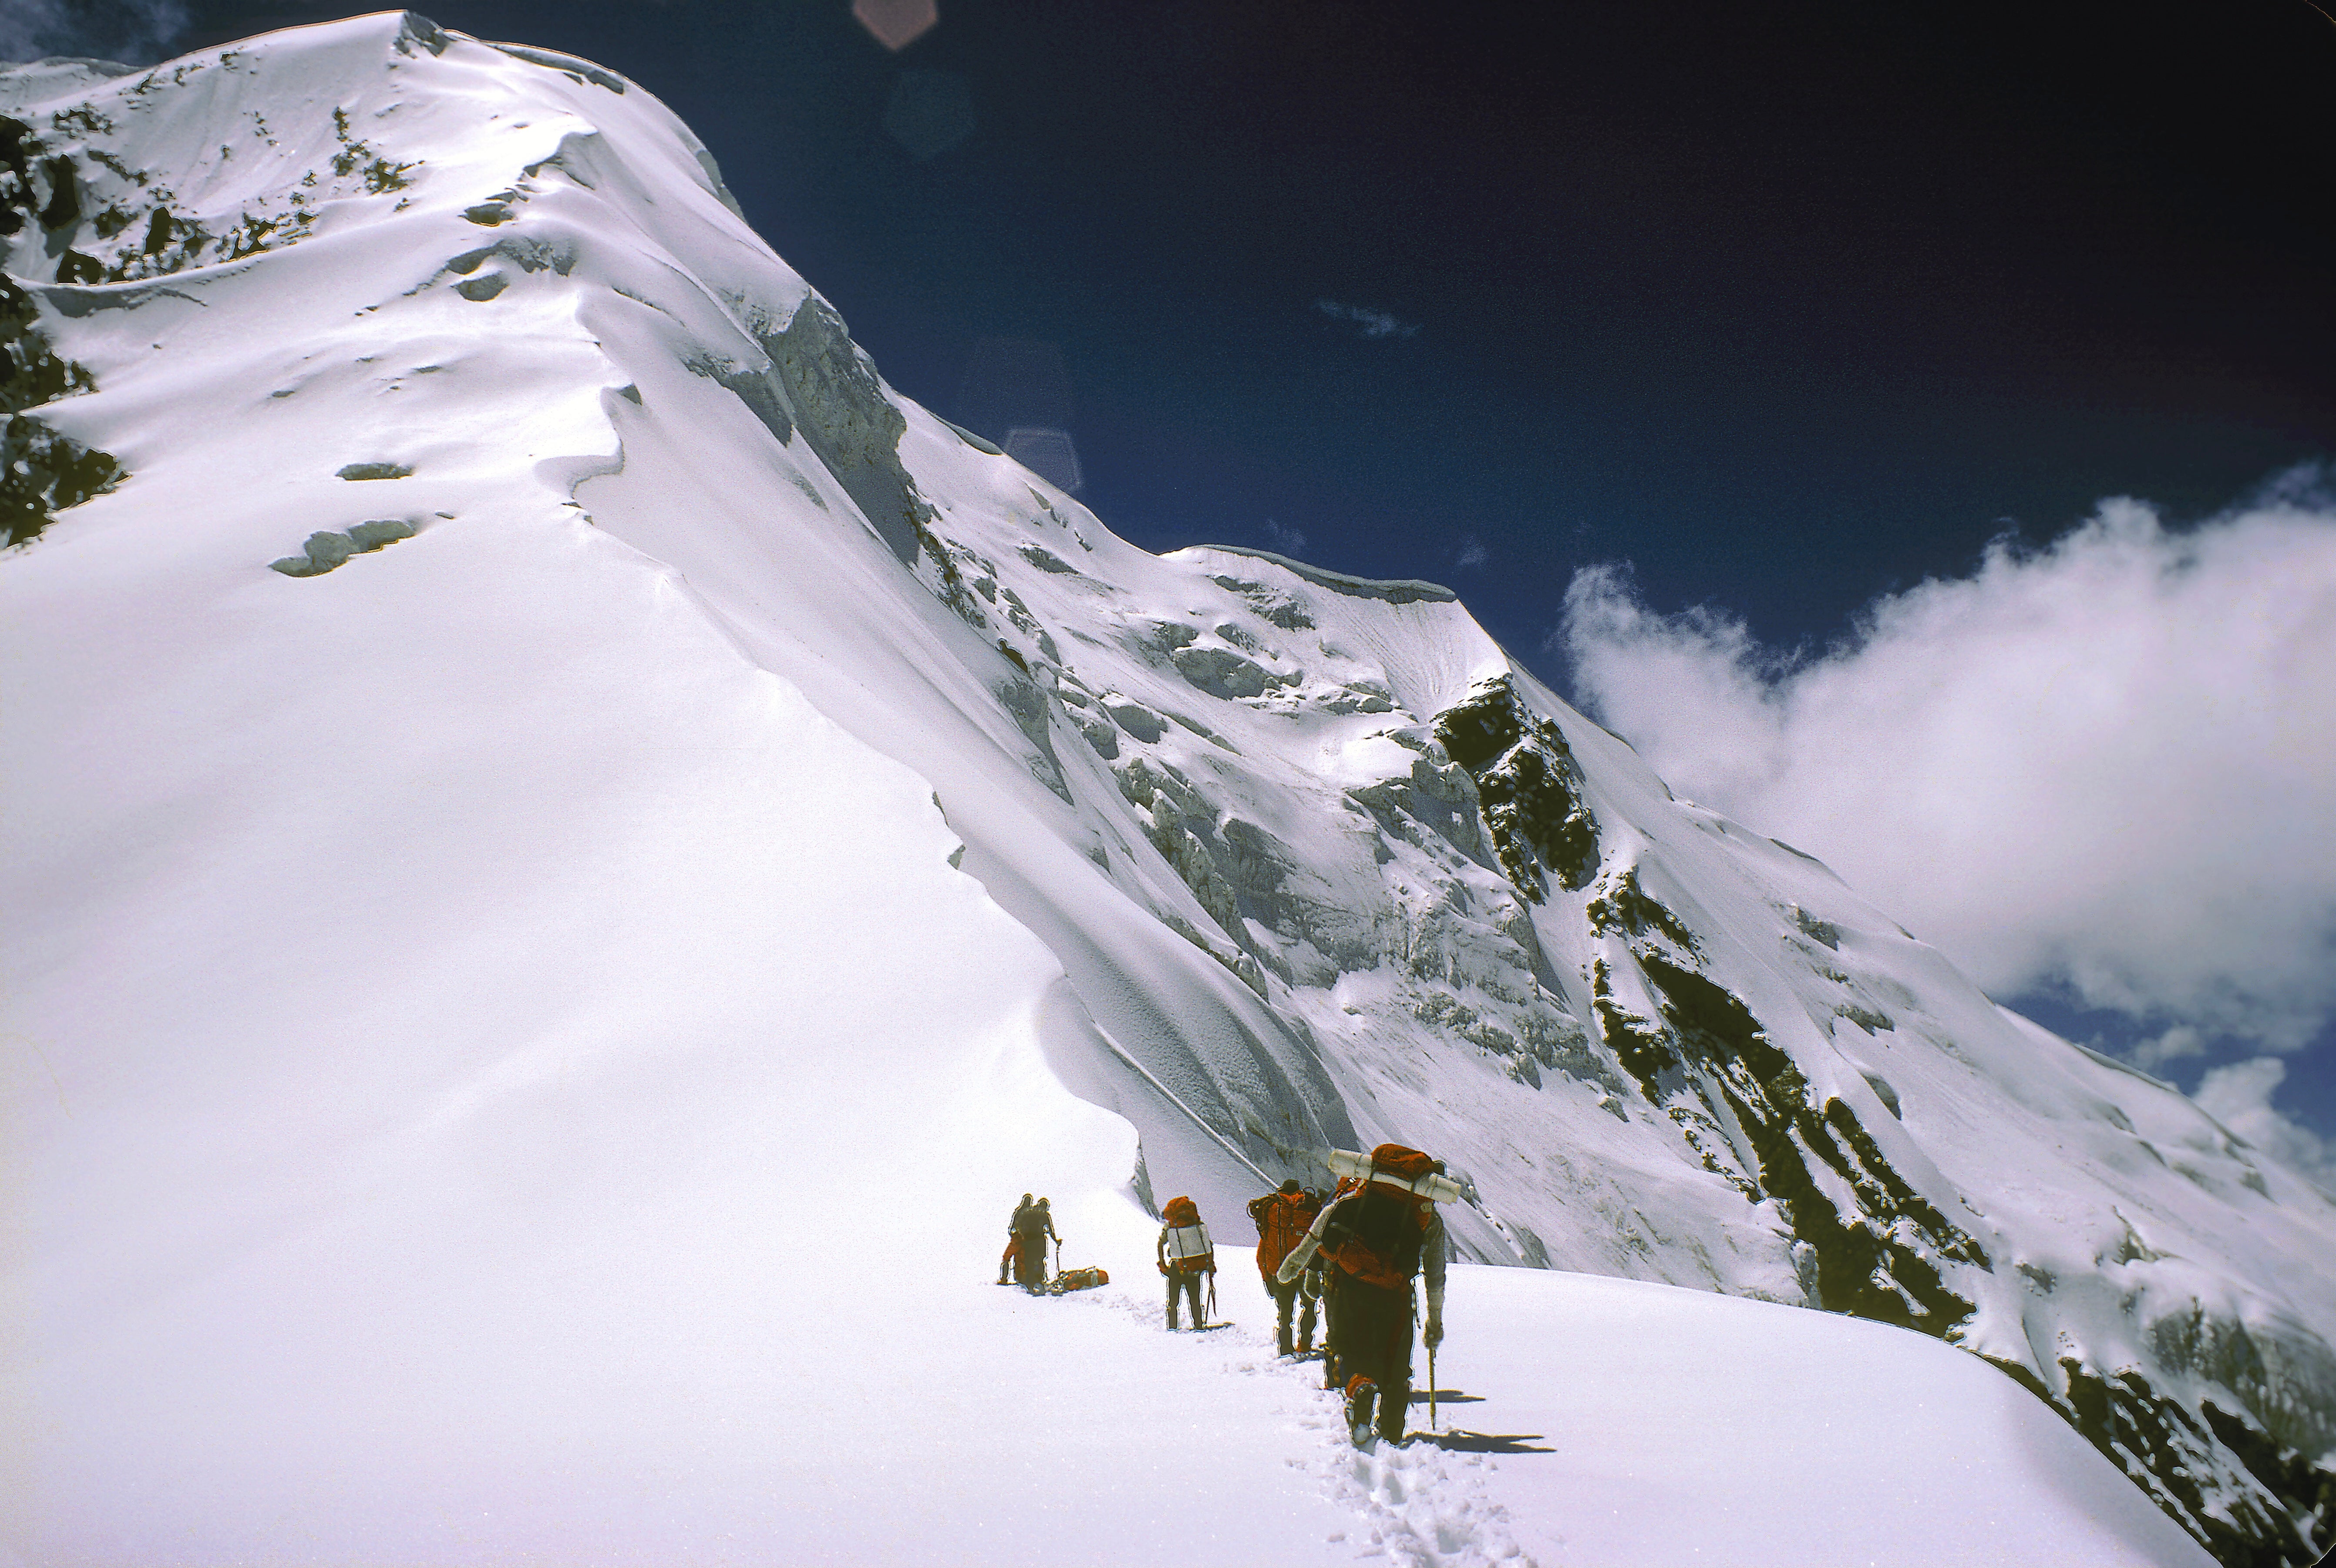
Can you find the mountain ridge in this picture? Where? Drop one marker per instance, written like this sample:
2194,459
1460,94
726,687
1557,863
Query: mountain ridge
1320,862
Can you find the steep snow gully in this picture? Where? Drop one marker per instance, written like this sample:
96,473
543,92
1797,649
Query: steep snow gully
569,851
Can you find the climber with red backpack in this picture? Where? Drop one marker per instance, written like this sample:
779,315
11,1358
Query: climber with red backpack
1282,1219
1185,1254
1376,1239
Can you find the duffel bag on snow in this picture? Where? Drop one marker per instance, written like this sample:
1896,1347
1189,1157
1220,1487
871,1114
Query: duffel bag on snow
1079,1280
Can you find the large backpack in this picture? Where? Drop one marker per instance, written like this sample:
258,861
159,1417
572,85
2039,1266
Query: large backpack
1376,1237
1184,1240
1282,1219
1189,1250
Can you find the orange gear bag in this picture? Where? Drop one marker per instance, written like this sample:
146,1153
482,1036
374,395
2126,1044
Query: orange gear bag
1380,1243
1282,1219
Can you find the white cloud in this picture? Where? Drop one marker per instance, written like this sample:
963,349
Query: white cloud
2108,764
1287,542
1473,553
1372,323
132,32
2181,1043
2239,1096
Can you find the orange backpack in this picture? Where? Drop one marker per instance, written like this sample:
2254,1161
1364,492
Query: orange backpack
1282,1219
1378,1241
1408,1163
1187,1239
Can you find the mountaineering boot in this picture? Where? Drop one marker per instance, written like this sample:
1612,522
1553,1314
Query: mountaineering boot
1359,1400
1284,1337
1395,1412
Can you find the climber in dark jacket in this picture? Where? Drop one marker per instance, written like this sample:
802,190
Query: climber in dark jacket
1013,1238
1034,1227
1185,1254
1376,1240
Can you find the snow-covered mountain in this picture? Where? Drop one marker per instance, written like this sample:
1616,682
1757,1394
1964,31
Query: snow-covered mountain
485,656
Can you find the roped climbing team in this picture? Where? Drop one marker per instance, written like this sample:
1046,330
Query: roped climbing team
1356,1255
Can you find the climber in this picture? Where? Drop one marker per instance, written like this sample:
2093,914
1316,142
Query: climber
1034,1227
1378,1239
1281,1218
1013,1238
1320,1281
1185,1254
1313,1289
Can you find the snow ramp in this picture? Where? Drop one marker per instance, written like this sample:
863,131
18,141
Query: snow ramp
493,1073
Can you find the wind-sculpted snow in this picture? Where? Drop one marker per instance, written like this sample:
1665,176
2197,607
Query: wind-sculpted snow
624,627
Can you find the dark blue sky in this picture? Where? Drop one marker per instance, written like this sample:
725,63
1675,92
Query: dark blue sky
1788,304
1785,304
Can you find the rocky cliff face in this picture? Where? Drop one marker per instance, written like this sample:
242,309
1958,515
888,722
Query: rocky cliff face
1323,864
1714,1065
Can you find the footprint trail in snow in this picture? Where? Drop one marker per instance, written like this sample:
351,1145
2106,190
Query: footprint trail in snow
1417,1505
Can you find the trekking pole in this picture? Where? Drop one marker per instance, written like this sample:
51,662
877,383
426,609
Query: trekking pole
1431,1387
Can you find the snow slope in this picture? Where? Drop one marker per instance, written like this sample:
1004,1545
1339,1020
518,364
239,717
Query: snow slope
528,1030
1685,1427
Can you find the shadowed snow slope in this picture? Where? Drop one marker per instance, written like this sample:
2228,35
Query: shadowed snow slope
569,852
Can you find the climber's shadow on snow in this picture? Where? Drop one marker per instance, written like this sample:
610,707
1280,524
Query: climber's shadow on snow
1473,1442
1484,1442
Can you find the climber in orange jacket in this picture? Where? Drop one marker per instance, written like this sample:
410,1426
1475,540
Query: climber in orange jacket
1282,1219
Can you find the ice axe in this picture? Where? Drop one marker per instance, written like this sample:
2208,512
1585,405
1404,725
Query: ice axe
1431,1387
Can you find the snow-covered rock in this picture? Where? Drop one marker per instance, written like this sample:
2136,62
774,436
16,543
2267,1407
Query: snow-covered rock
569,956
